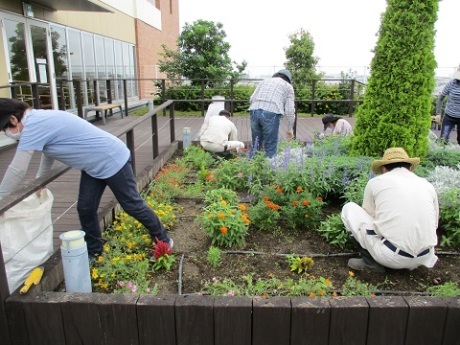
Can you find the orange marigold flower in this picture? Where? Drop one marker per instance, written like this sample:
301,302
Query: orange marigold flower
223,230
335,294
279,190
312,294
306,215
319,198
265,198
351,274
242,207
220,215
305,202
299,190
327,282
295,203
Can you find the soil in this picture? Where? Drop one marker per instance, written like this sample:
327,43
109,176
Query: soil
191,269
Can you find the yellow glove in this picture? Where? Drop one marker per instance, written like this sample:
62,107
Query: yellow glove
34,278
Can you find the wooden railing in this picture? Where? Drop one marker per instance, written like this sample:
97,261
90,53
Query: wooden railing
37,184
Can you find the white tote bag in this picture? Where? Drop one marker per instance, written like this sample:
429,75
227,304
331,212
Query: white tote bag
26,235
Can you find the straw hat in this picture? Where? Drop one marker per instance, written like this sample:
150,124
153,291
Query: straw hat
394,155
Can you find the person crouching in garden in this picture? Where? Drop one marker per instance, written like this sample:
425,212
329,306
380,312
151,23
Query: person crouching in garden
220,135
103,159
396,225
337,125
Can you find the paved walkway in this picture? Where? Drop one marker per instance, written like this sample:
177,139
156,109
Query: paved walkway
65,188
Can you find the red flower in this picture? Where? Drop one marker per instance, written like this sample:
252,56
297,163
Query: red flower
161,249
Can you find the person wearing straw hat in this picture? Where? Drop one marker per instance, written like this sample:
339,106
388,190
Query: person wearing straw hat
452,110
396,225
103,159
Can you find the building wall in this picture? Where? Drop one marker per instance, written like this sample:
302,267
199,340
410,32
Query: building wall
149,42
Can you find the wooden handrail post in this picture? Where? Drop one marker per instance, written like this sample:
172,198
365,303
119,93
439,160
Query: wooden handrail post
109,91
35,95
172,127
78,97
125,92
155,142
131,147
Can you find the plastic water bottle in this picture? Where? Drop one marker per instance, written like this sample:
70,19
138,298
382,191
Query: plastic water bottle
150,105
74,253
186,137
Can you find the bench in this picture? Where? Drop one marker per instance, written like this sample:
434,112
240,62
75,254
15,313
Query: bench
104,108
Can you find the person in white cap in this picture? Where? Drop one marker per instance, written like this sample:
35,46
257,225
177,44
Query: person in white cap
452,110
220,135
272,99
396,225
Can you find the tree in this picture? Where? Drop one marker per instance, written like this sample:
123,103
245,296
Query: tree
300,60
202,53
397,102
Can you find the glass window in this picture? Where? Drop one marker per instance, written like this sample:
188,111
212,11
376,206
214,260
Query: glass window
100,67
90,65
17,50
61,69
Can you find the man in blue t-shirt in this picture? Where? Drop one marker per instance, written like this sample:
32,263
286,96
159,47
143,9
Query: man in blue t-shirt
104,160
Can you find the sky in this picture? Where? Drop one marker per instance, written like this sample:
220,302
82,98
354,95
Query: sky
344,32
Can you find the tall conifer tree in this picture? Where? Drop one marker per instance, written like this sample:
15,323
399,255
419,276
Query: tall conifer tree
396,106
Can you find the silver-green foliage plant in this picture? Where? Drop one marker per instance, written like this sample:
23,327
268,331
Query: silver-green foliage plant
333,231
396,107
214,256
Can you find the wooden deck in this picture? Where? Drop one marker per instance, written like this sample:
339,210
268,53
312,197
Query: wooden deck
65,188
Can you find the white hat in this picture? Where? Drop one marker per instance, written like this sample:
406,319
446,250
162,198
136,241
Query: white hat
457,74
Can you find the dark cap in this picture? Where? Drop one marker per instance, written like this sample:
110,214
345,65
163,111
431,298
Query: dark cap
328,118
224,112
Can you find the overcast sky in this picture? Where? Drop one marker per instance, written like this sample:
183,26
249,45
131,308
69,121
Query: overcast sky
344,32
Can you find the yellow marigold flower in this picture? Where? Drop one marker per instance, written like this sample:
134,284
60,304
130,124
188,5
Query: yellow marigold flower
306,215
223,202
220,215
351,274
242,207
223,230
100,259
335,294
106,248
94,273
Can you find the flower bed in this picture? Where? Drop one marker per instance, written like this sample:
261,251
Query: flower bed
263,227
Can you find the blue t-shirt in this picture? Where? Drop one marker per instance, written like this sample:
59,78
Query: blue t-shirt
73,141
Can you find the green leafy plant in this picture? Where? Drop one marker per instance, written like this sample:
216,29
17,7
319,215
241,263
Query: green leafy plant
302,210
449,289
214,256
333,231
355,287
300,264
265,214
226,224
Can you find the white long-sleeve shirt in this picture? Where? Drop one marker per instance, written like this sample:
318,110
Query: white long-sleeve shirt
219,130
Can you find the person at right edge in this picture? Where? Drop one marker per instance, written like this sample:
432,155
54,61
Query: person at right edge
272,98
452,110
396,225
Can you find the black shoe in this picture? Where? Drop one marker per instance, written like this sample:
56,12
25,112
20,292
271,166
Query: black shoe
361,265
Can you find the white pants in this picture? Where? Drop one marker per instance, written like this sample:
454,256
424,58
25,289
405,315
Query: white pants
357,221
212,147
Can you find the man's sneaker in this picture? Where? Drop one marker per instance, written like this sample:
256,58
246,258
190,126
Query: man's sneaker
171,243
360,265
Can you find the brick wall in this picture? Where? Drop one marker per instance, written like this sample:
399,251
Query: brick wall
149,41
